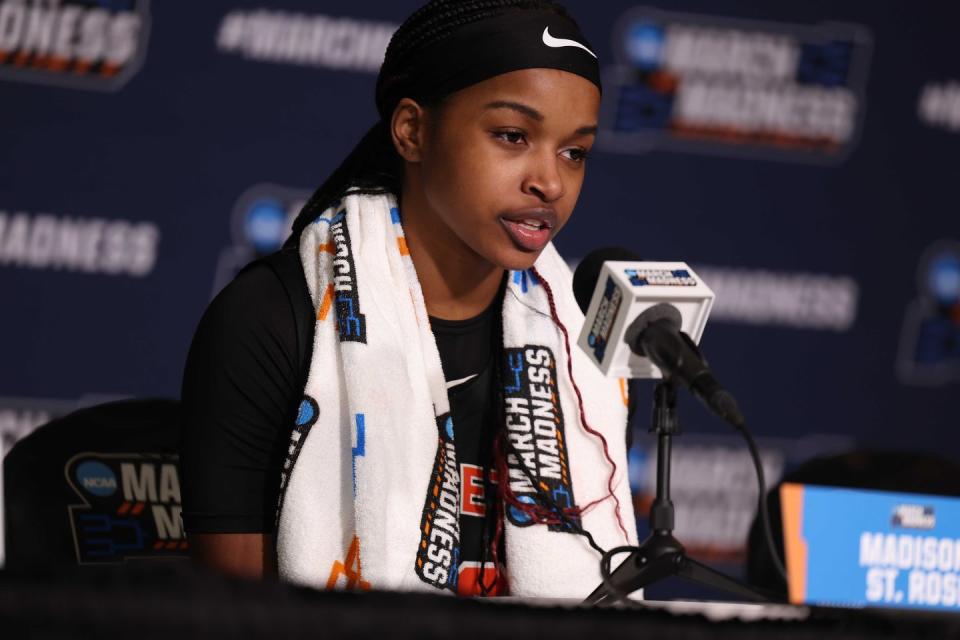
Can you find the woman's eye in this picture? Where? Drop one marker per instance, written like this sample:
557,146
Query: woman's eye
576,154
511,136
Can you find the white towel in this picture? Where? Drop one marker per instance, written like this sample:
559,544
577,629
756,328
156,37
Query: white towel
370,489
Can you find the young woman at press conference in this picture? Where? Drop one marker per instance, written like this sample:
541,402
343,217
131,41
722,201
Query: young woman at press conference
437,431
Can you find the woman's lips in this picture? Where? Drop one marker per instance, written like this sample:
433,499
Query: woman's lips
530,231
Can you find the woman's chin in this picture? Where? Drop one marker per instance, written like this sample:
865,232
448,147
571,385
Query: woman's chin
517,260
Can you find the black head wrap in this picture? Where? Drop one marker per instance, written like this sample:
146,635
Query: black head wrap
511,41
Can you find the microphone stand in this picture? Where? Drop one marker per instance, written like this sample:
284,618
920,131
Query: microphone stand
661,555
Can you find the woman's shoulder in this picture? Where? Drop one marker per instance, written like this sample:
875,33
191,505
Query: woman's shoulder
256,301
250,324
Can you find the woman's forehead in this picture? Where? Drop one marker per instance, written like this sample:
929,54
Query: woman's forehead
550,93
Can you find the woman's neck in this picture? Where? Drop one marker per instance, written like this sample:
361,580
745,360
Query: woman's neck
457,283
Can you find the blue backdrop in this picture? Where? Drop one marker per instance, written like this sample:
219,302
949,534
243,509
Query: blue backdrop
803,156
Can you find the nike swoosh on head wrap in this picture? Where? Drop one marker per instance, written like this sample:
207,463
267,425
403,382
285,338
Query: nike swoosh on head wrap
512,41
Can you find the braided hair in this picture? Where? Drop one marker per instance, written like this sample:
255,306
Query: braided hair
374,166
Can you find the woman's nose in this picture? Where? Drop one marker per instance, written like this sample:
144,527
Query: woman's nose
544,180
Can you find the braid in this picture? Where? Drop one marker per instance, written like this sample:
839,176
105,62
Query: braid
374,165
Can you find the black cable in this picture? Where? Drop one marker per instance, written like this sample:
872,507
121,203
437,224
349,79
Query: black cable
551,503
605,561
619,595
605,556
764,511
546,497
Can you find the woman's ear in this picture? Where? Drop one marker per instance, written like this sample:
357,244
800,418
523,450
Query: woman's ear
407,129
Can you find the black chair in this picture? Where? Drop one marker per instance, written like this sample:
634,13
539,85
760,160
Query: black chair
97,487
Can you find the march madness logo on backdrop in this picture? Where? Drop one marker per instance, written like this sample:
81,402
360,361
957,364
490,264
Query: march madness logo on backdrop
85,44
537,441
311,40
51,242
130,507
930,343
724,86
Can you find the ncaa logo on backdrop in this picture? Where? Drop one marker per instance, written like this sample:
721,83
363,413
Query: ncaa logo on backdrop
84,44
260,223
724,86
930,344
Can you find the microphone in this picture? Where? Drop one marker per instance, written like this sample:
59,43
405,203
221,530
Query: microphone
639,319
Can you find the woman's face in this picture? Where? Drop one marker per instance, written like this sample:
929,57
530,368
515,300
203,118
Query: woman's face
502,162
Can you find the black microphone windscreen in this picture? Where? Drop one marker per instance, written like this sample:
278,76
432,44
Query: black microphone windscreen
588,271
658,312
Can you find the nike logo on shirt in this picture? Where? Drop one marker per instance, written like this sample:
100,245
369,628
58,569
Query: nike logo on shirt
556,43
456,383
